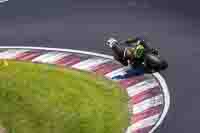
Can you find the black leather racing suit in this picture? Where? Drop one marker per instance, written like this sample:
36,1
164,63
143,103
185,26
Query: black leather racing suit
125,55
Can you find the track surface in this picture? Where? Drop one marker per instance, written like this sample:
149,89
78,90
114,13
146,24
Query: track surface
85,25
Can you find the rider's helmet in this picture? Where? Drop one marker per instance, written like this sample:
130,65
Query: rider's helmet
139,51
111,41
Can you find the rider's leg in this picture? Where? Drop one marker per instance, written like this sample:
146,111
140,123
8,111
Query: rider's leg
118,50
121,60
119,54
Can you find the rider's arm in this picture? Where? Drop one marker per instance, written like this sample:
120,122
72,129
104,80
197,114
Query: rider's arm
128,55
134,41
131,40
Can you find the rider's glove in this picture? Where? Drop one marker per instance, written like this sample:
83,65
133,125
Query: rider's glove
111,41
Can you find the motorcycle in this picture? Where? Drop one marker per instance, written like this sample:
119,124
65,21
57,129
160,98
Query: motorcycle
152,61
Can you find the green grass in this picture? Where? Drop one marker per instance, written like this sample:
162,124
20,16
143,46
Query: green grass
38,98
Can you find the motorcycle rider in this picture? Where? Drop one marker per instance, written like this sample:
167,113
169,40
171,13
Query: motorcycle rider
134,54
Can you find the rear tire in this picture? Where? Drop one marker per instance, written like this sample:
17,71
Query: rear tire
155,63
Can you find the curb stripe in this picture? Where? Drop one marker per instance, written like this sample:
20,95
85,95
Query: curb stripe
55,57
141,87
48,57
150,121
68,60
145,95
105,68
145,114
42,57
11,54
125,83
29,56
146,104
144,130
20,55
90,63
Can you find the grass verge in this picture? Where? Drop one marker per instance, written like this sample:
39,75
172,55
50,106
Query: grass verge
39,98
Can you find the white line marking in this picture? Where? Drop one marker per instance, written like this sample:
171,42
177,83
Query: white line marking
90,63
59,49
156,75
142,86
148,103
2,1
166,100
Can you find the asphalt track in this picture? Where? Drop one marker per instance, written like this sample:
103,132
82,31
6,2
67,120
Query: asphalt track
172,27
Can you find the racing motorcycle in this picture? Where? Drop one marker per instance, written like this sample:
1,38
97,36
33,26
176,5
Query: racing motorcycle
152,61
